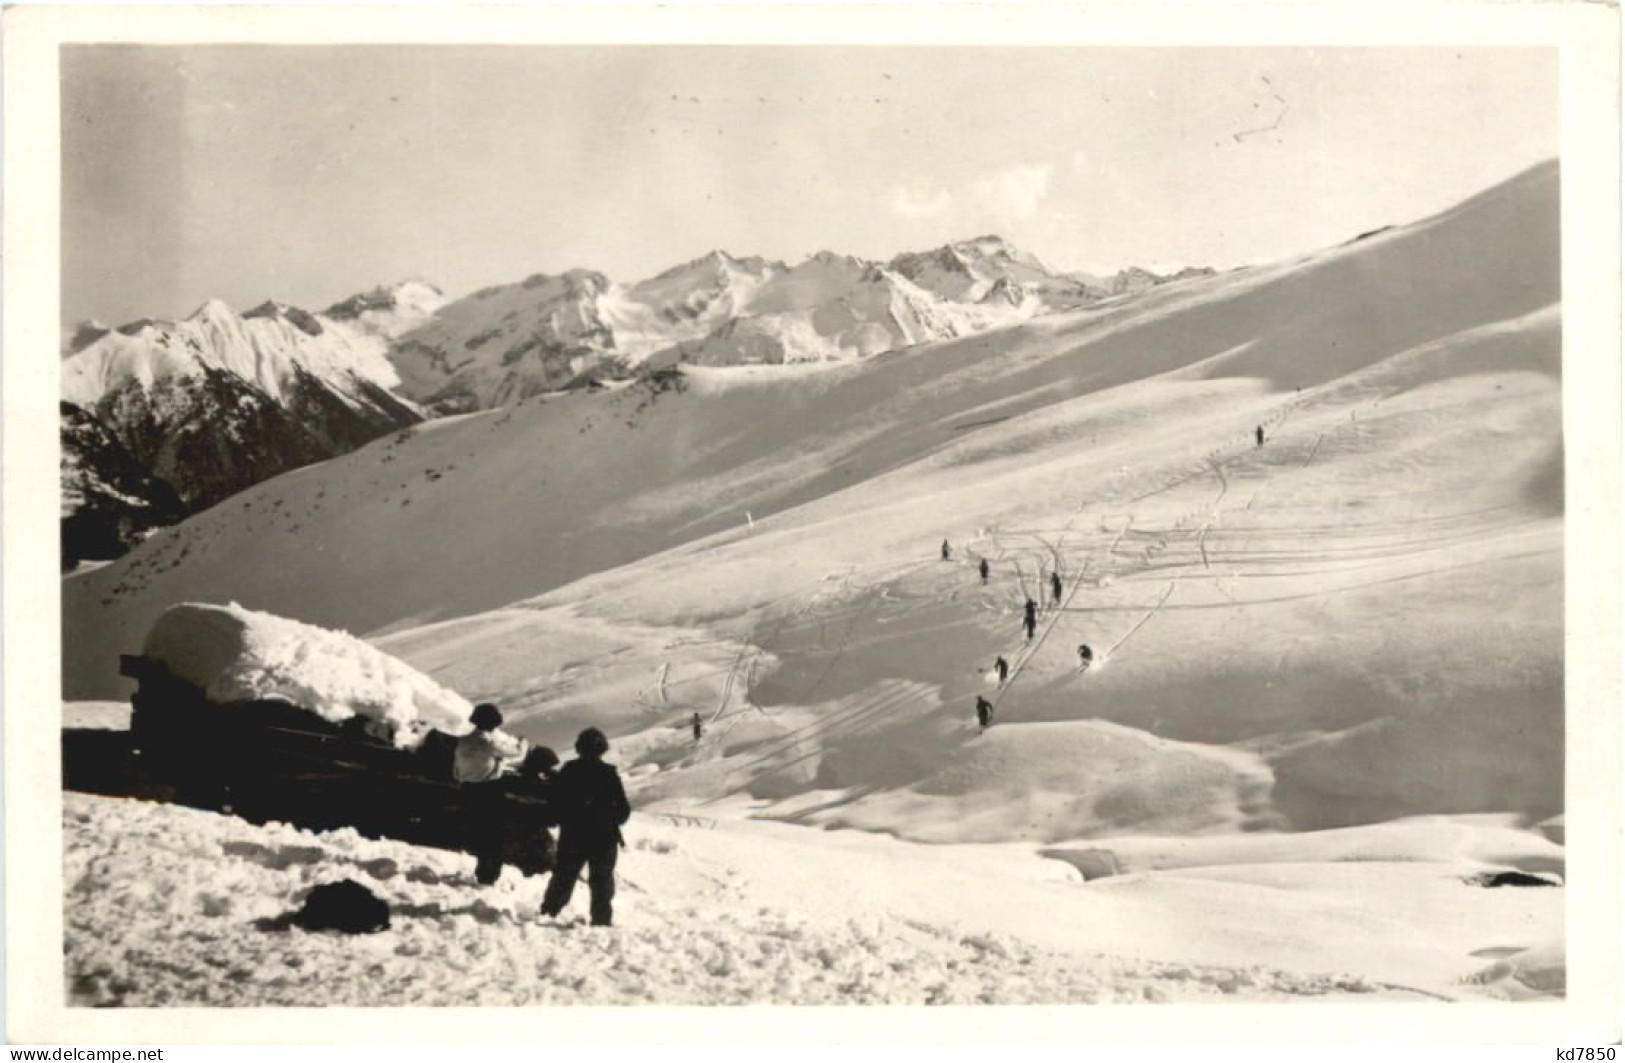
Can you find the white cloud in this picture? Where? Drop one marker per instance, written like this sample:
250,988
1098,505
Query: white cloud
919,199
1017,192
1014,194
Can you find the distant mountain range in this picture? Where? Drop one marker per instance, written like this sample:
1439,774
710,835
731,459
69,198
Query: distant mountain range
505,343
164,418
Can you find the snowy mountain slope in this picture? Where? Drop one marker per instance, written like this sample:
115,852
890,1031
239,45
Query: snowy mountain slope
1328,689
388,310
555,489
1134,279
808,319
80,335
973,270
109,500
515,341
695,297
504,344
267,348
218,401
737,914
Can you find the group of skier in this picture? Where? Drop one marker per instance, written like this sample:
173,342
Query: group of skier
584,799
1029,623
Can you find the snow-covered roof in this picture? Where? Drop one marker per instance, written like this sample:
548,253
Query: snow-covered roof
235,654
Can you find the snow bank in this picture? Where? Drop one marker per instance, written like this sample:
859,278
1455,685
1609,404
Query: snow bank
236,654
1054,781
169,906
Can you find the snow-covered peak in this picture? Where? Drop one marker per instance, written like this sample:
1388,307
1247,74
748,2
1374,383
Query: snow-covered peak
835,259
77,337
1004,292
998,247
303,320
268,347
585,283
214,310
389,310
968,270
713,266
415,296
1136,279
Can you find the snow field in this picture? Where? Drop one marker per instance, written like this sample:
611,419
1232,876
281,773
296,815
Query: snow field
171,906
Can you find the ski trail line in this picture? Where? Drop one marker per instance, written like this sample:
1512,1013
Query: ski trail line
1055,618
1153,611
1312,451
854,719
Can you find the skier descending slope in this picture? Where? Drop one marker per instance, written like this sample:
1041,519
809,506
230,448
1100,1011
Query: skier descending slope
1002,667
1258,434
1055,586
1086,656
984,713
591,806
984,568
1030,620
947,552
699,729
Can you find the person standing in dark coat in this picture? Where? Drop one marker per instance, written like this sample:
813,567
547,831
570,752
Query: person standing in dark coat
984,570
1030,618
1055,586
946,552
1258,434
528,842
699,728
1002,667
590,805
984,713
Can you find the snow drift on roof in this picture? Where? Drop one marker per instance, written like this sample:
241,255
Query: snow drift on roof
235,654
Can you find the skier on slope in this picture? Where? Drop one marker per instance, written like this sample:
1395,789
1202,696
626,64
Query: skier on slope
1002,667
1055,586
1086,656
591,805
699,729
477,764
984,569
947,552
1258,434
984,713
1031,624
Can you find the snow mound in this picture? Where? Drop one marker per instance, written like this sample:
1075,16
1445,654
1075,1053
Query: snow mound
235,654
1052,781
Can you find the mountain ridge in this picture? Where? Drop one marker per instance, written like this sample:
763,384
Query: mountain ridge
252,394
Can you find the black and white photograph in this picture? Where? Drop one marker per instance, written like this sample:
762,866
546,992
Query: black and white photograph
692,523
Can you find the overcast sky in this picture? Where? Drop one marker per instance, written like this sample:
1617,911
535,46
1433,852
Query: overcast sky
309,173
